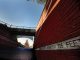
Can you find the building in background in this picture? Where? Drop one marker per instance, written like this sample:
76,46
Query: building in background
26,44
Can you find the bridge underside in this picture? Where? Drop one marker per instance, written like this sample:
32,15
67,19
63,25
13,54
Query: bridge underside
8,36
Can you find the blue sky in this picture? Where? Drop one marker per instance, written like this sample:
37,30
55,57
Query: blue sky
20,12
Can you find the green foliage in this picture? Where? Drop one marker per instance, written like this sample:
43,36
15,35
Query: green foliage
41,1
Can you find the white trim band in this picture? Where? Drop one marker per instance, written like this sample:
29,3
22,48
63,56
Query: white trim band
73,43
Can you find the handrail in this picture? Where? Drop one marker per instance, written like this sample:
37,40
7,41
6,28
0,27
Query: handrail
13,26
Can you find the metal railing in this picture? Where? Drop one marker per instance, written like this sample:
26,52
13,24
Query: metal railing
13,26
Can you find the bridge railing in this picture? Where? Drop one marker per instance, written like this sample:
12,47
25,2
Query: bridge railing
13,26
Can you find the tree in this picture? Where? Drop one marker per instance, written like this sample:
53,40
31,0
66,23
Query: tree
41,1
20,45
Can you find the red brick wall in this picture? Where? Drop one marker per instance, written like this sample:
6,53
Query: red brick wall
63,23
58,55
